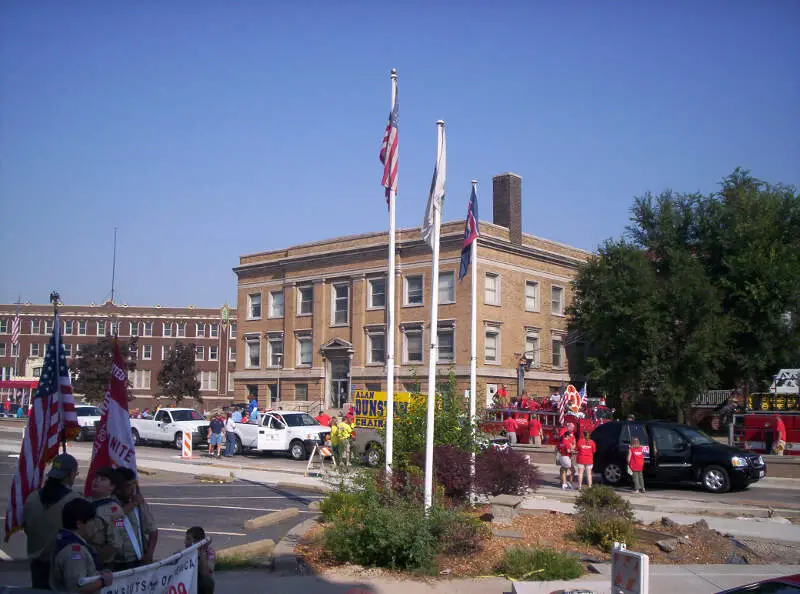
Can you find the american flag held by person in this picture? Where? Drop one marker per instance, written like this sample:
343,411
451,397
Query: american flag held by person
52,418
388,154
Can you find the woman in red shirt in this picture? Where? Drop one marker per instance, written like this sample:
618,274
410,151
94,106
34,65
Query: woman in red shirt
585,459
636,464
565,448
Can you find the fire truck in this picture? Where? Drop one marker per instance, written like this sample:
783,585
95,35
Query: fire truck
584,416
755,429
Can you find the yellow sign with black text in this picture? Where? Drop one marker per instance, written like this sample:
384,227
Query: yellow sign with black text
370,407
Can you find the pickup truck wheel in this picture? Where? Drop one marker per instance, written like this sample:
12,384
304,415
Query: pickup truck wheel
238,449
612,474
178,441
135,436
81,436
374,455
297,450
715,479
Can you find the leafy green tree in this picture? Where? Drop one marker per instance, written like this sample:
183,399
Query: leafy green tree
92,369
177,379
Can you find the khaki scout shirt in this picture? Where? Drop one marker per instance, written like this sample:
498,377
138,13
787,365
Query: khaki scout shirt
43,523
107,529
69,565
127,554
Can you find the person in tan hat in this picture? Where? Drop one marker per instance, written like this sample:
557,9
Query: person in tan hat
41,516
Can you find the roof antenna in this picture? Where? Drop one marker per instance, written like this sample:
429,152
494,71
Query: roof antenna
114,266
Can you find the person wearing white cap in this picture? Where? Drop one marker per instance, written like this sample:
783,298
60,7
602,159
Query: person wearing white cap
41,516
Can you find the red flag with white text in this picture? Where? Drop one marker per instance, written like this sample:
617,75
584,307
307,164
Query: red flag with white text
113,444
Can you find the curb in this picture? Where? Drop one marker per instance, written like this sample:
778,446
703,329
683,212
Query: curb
322,489
285,559
256,548
271,518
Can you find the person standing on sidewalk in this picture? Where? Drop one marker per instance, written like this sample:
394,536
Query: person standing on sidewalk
335,445
780,429
565,449
585,459
636,464
345,431
535,432
230,436
511,426
215,435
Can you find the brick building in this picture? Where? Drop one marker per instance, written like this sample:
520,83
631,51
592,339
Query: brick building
157,329
312,317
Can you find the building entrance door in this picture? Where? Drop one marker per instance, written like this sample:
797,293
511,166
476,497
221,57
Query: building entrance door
340,382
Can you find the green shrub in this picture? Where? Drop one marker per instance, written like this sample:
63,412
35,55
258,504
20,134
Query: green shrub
539,565
456,533
340,504
602,530
603,499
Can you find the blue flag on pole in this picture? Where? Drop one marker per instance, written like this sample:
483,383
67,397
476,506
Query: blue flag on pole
470,234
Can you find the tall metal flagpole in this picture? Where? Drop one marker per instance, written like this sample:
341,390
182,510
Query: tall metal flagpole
54,299
388,453
473,345
433,355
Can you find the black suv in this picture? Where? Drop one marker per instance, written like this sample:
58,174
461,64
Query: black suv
674,453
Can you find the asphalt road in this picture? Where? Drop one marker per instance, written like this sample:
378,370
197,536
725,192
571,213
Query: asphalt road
180,501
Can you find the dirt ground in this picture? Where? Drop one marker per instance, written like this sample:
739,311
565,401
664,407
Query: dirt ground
695,544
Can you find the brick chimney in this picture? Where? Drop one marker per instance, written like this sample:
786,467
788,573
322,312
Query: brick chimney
507,204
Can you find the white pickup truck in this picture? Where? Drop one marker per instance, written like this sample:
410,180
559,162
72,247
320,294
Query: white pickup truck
88,417
168,426
288,431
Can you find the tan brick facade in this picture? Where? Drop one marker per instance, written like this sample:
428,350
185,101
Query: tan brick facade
348,267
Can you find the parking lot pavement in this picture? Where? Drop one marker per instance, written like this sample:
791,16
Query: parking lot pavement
180,501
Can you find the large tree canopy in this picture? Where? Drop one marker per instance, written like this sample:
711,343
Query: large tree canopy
92,368
177,379
701,292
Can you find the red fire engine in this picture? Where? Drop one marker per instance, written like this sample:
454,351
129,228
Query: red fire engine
583,417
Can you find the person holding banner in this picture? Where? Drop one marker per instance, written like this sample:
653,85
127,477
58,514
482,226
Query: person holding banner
206,559
73,558
140,527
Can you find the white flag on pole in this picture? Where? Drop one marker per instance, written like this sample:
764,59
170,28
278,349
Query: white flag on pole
436,194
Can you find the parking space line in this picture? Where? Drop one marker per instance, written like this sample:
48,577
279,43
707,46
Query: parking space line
227,497
206,531
262,509
4,556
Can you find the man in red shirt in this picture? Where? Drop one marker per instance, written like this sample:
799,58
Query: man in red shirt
565,449
510,426
780,429
535,430
585,458
323,419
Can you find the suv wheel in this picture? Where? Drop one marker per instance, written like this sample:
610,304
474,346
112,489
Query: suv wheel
297,450
612,474
715,479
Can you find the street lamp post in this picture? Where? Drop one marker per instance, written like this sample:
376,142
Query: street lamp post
280,367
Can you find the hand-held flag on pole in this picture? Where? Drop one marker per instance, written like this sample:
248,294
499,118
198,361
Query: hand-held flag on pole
388,154
52,415
562,405
436,194
113,445
470,234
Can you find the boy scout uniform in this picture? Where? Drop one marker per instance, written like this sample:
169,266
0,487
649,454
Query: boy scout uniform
71,563
107,529
126,555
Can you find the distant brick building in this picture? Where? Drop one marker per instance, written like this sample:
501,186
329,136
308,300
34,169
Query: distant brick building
157,327
312,318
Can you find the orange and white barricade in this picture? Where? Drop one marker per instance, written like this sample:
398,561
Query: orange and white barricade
186,450
321,452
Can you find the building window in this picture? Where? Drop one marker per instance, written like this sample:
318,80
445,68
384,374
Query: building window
15,350
231,353
413,290
166,329
141,379
532,348
412,345
213,353
199,353
3,326
305,301
36,326
82,324
48,326
491,346
208,380
491,289
134,328
200,330
67,349
341,304
3,348
35,349
447,287
78,348
558,353
377,293
377,348
230,382
213,330
301,392
276,304
147,328
113,328
232,331
305,351
531,296
254,306
181,327
274,396
253,353
165,348
147,352
101,328
557,298
276,351
69,327
445,344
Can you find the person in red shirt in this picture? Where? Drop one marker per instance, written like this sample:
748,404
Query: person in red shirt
636,464
525,402
565,449
535,430
585,458
780,429
510,426
323,419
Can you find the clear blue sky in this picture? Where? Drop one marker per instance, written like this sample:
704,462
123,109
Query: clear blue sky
206,130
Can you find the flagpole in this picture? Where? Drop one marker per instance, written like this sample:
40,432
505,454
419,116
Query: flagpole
434,349
390,282
54,299
473,347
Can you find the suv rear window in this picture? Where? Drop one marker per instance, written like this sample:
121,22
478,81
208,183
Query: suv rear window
606,432
631,430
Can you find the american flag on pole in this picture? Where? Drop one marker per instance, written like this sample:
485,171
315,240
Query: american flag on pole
15,328
562,406
52,415
584,394
388,154
470,234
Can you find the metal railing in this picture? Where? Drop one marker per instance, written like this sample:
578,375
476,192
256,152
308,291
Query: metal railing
713,398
